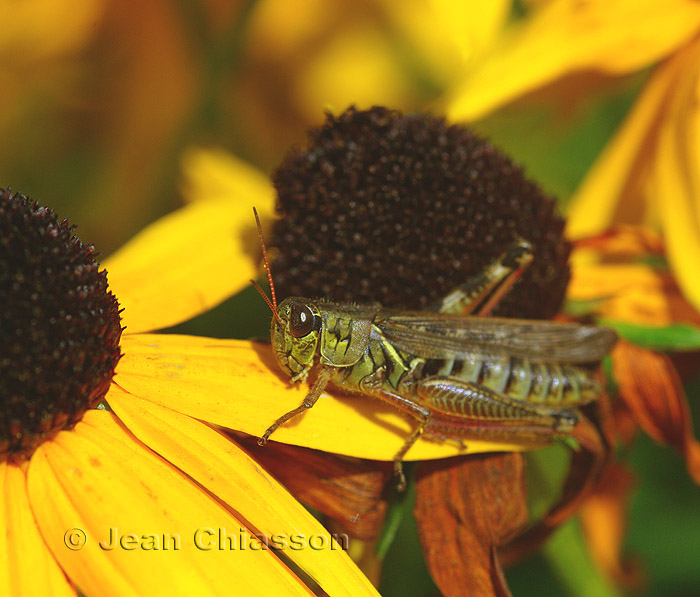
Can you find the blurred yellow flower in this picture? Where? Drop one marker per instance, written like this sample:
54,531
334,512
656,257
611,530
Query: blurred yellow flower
30,34
401,54
648,174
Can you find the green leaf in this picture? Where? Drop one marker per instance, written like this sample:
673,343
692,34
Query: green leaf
581,308
607,367
674,338
400,507
567,554
395,514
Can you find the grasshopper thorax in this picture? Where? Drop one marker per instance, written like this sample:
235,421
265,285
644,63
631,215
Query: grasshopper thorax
295,335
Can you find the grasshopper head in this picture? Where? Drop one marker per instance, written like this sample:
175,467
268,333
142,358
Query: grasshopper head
295,334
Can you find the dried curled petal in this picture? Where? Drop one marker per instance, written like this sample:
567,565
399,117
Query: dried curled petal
652,390
464,511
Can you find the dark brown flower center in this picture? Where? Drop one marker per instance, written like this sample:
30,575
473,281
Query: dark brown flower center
59,326
403,209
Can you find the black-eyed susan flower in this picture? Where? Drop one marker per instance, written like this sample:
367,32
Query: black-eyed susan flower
138,499
339,425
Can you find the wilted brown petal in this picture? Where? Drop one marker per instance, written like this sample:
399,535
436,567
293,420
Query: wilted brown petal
626,426
350,491
604,521
586,465
652,390
465,507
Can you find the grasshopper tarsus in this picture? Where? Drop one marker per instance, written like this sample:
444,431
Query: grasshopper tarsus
266,436
269,431
400,476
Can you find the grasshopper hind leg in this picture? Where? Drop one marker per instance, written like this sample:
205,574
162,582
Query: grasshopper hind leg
472,410
482,292
456,407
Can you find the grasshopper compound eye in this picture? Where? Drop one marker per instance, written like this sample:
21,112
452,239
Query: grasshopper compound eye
302,320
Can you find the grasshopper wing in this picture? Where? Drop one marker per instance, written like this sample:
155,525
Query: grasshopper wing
441,336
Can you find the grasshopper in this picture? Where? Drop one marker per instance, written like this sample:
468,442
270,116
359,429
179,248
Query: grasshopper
459,374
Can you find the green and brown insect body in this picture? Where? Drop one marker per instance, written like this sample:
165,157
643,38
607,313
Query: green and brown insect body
444,370
517,381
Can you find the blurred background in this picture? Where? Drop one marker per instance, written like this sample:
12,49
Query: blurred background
101,100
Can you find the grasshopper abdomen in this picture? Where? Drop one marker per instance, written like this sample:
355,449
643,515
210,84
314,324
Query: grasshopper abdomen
552,383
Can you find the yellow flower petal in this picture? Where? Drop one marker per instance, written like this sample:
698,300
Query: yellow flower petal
676,184
569,36
236,384
599,281
192,259
447,34
616,185
216,174
234,477
471,25
26,565
618,243
608,270
356,67
631,292
97,478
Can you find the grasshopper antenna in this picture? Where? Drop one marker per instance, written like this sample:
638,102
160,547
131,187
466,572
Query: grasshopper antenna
270,303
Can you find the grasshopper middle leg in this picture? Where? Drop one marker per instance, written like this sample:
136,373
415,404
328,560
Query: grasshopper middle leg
417,411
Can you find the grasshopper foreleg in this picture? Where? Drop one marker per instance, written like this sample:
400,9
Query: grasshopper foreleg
315,392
